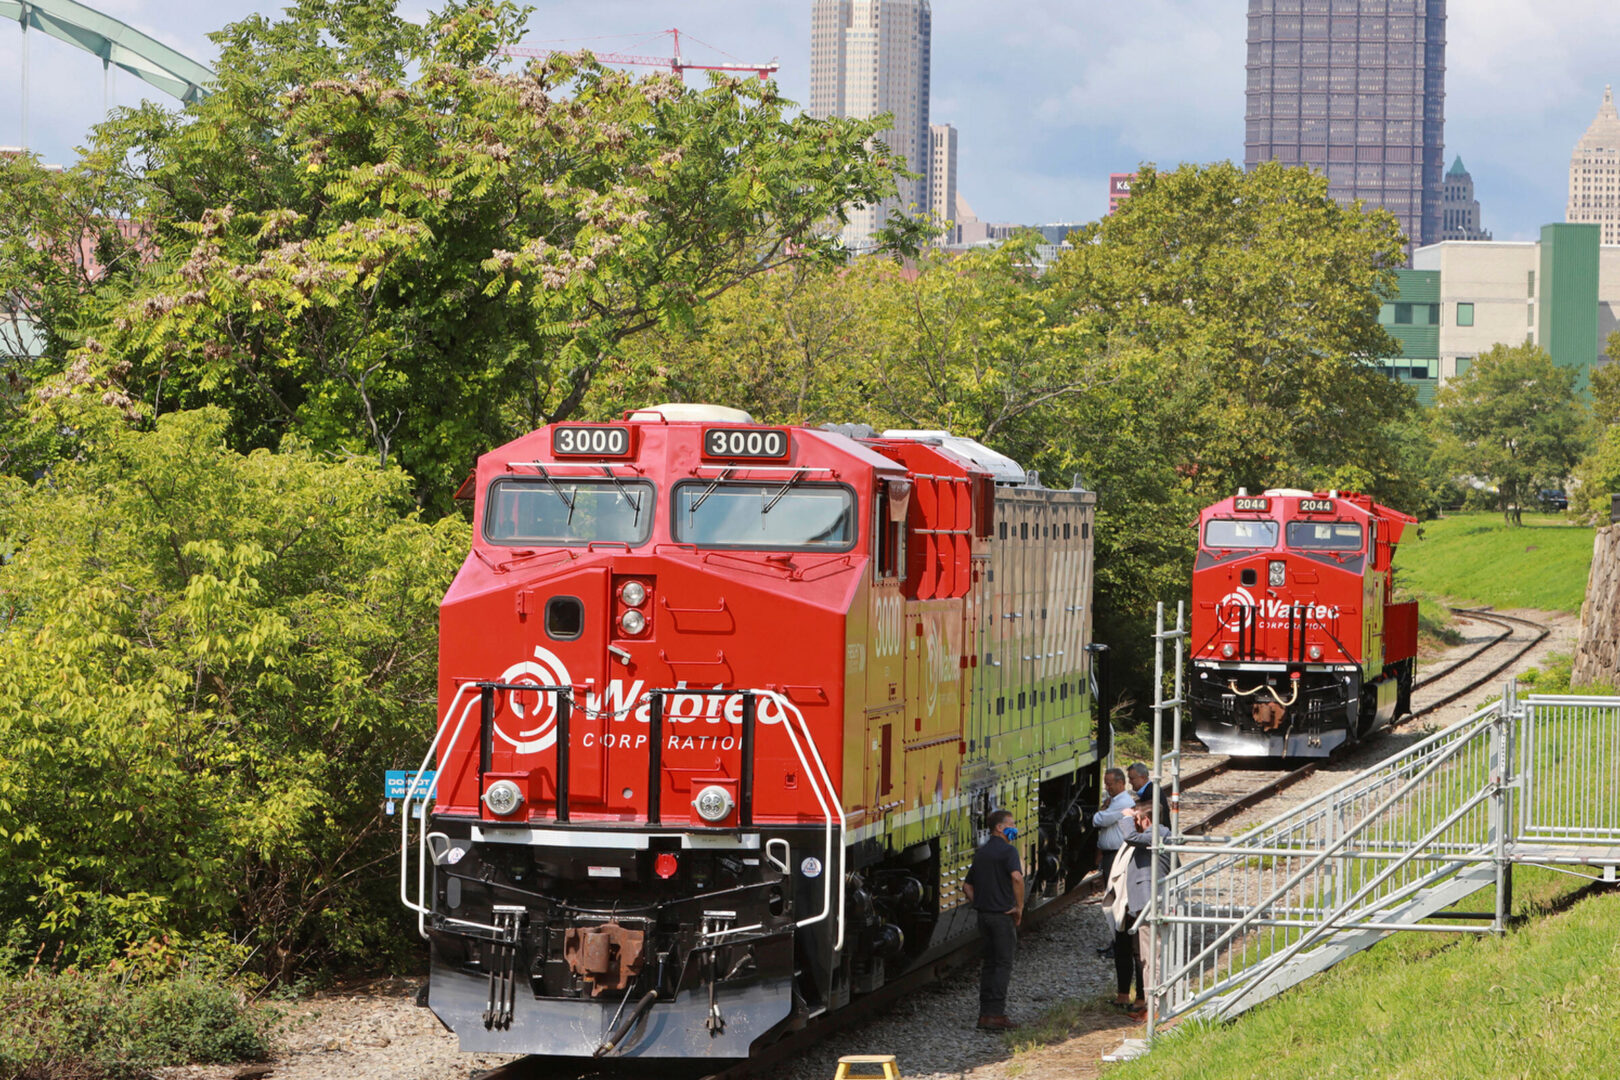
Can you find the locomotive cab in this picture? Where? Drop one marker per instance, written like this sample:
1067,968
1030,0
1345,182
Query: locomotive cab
1297,646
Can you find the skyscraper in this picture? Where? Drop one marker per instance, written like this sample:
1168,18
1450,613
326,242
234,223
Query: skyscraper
869,57
1354,89
942,172
1594,173
1459,210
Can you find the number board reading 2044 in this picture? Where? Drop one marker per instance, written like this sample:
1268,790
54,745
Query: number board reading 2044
595,440
768,443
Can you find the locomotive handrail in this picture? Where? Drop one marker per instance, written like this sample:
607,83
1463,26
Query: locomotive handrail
797,470
788,708
592,465
405,812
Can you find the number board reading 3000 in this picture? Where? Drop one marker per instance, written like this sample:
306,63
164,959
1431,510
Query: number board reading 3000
571,440
764,443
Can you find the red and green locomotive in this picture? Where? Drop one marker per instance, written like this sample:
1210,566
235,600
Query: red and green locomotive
724,706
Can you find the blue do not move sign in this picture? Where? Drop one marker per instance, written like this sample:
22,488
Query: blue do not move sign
397,782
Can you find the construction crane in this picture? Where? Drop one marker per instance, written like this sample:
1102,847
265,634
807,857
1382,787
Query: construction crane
674,63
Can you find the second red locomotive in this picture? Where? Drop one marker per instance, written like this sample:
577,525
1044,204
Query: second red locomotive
1297,646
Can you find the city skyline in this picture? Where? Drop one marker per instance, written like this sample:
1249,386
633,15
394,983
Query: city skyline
1047,105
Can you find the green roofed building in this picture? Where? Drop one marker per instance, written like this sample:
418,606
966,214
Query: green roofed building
1561,292
1412,317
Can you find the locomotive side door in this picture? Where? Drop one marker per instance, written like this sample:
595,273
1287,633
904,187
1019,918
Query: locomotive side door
1372,607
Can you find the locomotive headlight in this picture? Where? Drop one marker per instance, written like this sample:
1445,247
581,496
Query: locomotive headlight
632,622
1277,573
1227,650
633,593
503,797
713,803
1316,652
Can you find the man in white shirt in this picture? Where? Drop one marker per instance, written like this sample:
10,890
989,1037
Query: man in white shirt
1107,820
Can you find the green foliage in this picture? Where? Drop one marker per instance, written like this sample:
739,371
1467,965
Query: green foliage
63,257
1555,676
1512,420
376,236
1476,558
73,1026
1257,296
1217,333
208,660
1605,386
1598,475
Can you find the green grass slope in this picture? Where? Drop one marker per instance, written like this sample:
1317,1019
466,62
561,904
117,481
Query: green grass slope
1476,559
1542,1001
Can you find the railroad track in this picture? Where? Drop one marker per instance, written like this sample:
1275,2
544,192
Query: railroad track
1259,794
769,1058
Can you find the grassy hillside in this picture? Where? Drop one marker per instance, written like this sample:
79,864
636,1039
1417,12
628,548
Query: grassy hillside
1541,1001
1476,559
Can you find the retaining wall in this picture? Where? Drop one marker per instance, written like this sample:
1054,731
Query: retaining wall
1597,655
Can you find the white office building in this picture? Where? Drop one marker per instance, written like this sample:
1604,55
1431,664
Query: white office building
869,57
1594,173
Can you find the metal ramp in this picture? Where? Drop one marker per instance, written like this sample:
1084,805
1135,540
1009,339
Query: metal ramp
1236,920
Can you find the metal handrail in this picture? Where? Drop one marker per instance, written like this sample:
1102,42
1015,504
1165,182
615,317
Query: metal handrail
405,814
1327,853
788,708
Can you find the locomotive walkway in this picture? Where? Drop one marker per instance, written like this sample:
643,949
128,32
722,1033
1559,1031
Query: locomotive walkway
1526,780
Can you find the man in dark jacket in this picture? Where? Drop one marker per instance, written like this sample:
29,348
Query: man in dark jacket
995,888
1130,891
1143,786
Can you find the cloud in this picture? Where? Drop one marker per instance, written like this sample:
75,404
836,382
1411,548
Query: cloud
1048,96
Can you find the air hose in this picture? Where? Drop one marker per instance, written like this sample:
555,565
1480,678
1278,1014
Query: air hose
1231,684
624,1028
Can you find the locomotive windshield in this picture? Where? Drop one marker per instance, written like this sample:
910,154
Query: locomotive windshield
1225,533
564,510
774,515
1324,535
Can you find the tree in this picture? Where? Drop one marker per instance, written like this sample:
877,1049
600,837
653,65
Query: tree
1599,476
373,235
1512,420
66,246
1605,387
206,661
1261,294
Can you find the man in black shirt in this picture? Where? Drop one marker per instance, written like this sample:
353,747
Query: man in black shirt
995,888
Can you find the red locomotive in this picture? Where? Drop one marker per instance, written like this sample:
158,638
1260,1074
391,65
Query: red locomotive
724,707
1296,646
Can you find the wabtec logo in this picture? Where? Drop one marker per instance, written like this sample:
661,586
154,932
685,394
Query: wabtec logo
528,721
1240,608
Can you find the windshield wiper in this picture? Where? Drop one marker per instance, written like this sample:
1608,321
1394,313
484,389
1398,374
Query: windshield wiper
794,479
635,503
708,490
566,500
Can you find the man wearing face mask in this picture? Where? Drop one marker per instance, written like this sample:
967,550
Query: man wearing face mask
995,888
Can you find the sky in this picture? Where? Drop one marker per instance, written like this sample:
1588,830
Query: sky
1048,96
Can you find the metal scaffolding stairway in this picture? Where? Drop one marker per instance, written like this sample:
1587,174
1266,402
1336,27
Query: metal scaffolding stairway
1395,848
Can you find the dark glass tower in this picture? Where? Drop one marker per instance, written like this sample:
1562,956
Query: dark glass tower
1355,89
